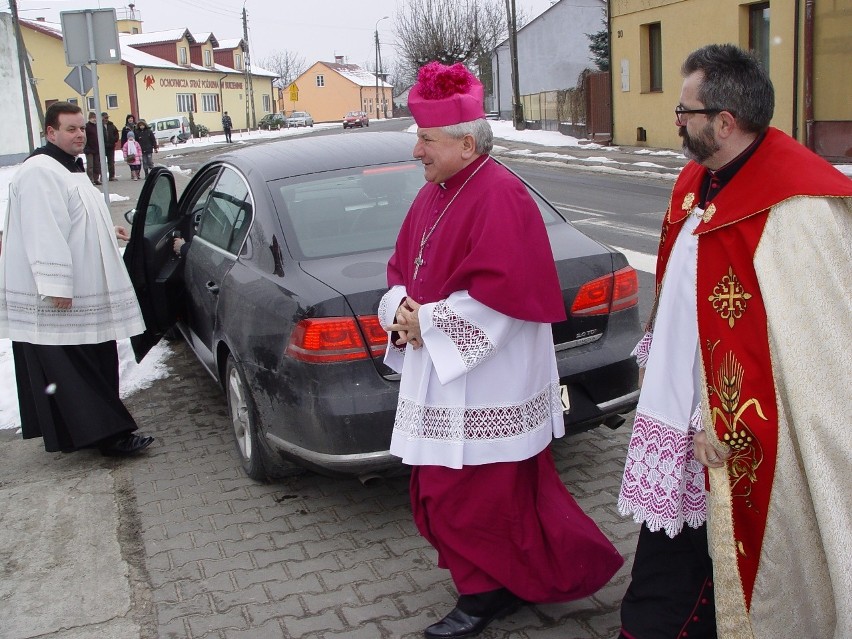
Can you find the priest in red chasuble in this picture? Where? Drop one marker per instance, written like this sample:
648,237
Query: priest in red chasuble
473,292
738,465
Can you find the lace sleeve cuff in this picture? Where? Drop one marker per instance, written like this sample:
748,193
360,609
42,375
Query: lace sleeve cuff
695,422
643,349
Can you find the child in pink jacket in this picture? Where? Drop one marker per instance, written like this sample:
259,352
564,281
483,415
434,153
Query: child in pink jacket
133,155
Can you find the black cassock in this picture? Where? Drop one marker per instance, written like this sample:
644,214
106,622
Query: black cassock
69,394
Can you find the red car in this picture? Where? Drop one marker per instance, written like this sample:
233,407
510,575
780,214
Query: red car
355,118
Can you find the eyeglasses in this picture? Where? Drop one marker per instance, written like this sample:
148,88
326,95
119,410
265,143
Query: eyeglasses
680,111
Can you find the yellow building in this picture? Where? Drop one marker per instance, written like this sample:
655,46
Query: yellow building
328,90
161,74
806,45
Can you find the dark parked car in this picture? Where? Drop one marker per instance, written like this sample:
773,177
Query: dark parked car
277,297
272,121
355,118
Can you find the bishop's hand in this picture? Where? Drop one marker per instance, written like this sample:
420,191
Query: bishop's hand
407,324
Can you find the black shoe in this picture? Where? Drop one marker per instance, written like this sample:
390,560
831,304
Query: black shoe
126,446
459,624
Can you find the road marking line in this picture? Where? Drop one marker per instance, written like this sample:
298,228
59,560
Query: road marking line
639,261
631,230
575,209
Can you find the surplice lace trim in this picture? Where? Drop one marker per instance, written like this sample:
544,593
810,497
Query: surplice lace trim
459,423
472,342
663,483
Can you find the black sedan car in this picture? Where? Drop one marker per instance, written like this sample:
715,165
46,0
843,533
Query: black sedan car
278,292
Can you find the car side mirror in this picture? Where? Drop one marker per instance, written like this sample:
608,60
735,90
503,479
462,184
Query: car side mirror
129,215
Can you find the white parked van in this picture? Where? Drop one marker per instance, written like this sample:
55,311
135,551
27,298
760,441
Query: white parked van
174,129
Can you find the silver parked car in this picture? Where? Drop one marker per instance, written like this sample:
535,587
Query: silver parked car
300,118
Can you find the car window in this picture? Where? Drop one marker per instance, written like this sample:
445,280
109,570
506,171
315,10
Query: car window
227,216
161,207
197,199
346,211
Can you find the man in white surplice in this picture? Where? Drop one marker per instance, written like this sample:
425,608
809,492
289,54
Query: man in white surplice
66,297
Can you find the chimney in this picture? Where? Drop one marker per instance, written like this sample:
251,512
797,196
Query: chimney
338,59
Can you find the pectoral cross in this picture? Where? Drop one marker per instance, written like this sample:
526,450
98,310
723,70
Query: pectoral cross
418,262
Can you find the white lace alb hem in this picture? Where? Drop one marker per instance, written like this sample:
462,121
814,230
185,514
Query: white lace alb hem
663,483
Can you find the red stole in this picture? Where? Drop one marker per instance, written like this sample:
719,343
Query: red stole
732,323
491,242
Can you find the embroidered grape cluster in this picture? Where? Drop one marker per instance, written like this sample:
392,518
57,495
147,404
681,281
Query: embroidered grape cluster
738,440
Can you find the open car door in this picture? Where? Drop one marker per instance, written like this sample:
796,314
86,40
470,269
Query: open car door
155,270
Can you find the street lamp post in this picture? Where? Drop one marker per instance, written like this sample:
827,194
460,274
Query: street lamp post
377,65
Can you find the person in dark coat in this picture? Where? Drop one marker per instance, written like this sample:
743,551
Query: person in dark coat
110,138
148,142
92,151
129,125
227,124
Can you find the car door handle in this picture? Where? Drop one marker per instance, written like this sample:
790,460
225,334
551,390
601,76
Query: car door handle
213,287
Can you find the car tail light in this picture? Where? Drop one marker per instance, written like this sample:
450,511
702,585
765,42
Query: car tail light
607,294
337,339
625,290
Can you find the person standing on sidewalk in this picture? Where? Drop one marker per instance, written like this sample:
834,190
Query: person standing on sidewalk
132,155
226,126
148,143
66,297
747,374
473,292
92,150
110,140
129,125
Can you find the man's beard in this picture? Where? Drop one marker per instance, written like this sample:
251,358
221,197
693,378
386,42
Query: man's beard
701,147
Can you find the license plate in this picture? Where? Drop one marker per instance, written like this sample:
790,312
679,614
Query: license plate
563,395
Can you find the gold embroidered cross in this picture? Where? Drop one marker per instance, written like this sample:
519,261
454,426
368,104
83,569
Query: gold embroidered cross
729,298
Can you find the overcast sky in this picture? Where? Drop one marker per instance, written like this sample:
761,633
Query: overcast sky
316,29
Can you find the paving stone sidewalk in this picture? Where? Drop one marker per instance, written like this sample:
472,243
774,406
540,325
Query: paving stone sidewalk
316,557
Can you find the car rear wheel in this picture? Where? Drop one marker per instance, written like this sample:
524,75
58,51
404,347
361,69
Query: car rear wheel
242,414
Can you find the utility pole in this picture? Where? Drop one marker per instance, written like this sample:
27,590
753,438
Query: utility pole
26,75
517,106
250,123
378,64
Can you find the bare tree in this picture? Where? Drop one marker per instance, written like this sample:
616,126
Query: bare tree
450,31
287,65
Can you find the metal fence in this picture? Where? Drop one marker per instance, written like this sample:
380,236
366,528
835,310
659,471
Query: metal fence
582,111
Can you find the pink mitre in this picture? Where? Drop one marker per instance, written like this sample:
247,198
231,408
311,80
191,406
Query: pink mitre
445,95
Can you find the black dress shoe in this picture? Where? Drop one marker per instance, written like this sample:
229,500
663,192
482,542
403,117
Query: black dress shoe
459,624
126,446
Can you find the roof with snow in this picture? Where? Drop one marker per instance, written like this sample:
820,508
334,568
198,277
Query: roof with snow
230,43
137,58
356,74
158,37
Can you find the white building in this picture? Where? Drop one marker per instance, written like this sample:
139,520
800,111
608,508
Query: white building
553,51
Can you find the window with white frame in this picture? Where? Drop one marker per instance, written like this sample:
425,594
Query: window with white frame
238,61
210,102
185,102
112,101
320,80
267,103
72,101
90,103
208,58
182,59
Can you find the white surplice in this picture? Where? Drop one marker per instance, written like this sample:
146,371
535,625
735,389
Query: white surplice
663,483
476,392
59,241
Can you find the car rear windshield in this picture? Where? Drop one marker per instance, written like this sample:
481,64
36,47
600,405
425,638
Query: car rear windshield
352,210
